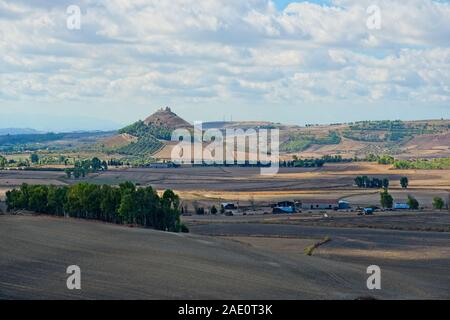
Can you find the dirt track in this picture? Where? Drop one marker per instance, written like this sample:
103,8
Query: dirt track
129,263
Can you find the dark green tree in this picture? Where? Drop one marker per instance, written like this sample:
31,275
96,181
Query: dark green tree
438,203
15,200
404,182
385,183
77,173
34,158
170,204
56,198
127,209
3,162
96,164
109,204
359,182
37,200
386,199
413,203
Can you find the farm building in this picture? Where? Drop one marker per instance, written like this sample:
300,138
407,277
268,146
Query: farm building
311,204
284,204
343,205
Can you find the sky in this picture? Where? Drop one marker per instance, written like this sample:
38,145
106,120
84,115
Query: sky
212,60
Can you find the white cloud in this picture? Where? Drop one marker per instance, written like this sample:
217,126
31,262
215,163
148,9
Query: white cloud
222,49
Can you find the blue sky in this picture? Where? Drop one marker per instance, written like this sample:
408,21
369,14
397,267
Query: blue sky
282,4
292,62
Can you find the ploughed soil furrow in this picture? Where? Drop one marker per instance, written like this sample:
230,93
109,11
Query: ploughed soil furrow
131,263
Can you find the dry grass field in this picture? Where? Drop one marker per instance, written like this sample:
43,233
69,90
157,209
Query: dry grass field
132,263
243,257
214,184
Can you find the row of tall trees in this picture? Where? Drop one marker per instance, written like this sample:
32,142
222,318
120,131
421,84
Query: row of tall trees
304,163
366,182
125,204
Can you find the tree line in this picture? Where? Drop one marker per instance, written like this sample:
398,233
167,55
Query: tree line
369,183
424,164
125,204
386,199
376,183
82,168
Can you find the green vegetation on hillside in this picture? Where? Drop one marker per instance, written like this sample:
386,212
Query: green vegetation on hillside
29,138
385,159
299,141
47,141
147,135
387,131
21,142
140,129
426,164
378,125
125,204
145,145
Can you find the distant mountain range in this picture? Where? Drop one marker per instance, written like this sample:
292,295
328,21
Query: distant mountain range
15,131
55,122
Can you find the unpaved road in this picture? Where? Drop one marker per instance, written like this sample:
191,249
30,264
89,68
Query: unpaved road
129,263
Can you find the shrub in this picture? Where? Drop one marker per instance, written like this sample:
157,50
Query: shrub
413,203
184,229
438,203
